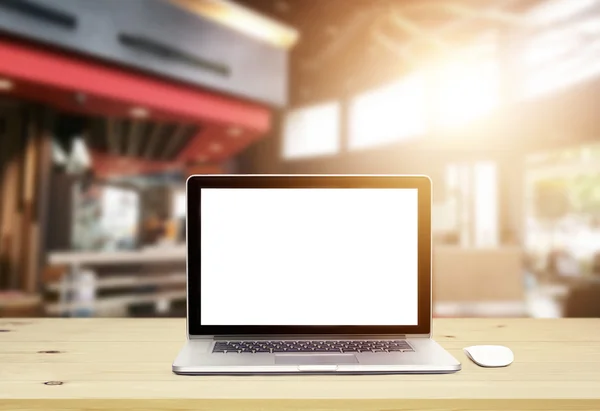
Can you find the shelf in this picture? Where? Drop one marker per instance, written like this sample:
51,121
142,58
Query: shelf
123,282
143,256
115,302
18,300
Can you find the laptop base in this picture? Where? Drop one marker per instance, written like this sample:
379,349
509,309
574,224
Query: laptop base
428,357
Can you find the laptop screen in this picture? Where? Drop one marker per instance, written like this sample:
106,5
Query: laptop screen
304,256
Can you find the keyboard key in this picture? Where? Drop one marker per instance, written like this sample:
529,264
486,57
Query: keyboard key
311,346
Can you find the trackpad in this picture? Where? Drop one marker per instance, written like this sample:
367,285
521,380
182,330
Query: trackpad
287,359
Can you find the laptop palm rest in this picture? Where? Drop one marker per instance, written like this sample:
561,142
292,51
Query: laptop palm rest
304,359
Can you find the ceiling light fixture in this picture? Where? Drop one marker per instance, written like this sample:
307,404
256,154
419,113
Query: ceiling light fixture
244,20
6,84
139,112
216,148
234,131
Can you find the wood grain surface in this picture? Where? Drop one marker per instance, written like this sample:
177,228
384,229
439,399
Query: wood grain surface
115,364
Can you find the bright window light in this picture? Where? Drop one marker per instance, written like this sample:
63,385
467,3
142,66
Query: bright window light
553,11
562,57
465,91
179,204
486,204
312,131
558,43
581,66
391,113
589,26
549,46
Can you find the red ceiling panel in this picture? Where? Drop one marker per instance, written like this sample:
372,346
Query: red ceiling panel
227,125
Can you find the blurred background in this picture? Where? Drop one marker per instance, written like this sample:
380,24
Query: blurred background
106,106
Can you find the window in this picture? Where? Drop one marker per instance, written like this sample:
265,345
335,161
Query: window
458,200
472,197
179,204
464,90
486,204
568,68
120,211
560,57
391,113
104,217
554,11
312,131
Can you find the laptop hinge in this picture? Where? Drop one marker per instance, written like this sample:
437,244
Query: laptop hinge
297,337
306,337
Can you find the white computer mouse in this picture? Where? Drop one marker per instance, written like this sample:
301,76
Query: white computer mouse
490,355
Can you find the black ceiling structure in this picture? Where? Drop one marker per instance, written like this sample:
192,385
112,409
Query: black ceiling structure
346,46
140,139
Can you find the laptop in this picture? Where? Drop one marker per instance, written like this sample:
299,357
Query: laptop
314,274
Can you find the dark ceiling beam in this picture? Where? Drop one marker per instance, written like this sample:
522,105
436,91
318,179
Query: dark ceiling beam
91,131
134,137
153,139
112,136
176,140
6,103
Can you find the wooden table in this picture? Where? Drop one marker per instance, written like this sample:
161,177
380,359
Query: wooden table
126,364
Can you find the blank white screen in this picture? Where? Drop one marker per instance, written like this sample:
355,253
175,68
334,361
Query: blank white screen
309,256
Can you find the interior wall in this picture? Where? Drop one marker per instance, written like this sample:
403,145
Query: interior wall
24,163
60,207
264,158
506,138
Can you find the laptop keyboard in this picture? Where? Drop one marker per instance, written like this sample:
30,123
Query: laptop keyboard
312,346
